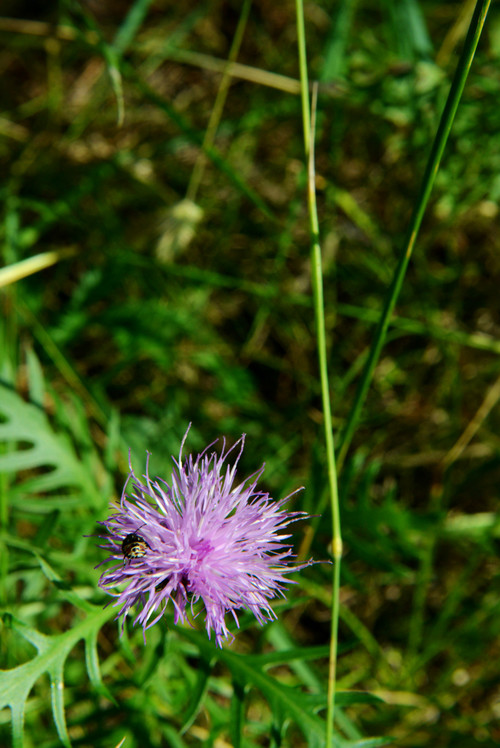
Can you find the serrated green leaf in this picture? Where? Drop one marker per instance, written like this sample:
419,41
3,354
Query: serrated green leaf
286,701
16,684
285,698
91,658
28,424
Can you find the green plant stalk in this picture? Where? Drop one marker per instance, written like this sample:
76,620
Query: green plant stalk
457,87
319,313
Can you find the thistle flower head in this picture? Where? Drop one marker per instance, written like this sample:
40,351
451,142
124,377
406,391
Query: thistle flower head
197,538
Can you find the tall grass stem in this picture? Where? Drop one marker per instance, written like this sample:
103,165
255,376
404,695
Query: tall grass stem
457,87
319,313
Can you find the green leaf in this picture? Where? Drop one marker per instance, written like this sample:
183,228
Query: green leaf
286,656
35,378
286,701
348,698
17,683
131,25
237,715
197,695
26,424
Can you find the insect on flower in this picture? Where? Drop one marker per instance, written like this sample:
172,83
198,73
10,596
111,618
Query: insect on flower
134,546
210,540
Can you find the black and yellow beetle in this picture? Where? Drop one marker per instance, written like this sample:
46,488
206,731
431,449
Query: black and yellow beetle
134,546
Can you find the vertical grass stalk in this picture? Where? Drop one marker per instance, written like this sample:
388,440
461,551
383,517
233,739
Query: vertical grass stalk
457,87
317,282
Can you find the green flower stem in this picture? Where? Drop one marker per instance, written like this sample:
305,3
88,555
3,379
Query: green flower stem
317,282
457,87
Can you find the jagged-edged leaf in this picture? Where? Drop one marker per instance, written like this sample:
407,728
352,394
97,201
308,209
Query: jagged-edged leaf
287,702
52,651
285,699
33,443
91,658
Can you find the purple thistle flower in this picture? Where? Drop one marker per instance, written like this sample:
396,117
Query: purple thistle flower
199,537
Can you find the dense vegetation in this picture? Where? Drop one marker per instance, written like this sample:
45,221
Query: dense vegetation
179,291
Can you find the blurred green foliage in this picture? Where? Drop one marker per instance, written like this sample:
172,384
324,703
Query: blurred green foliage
163,311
